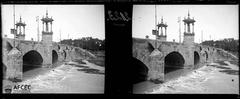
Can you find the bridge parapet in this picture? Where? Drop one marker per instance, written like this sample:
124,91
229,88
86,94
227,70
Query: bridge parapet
14,64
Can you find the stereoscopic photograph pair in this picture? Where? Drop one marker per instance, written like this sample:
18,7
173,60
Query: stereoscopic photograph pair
125,48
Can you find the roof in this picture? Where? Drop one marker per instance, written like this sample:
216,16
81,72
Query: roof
46,19
189,20
20,24
162,25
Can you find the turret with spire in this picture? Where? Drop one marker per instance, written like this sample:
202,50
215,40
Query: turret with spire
20,29
188,40
188,22
188,33
162,36
46,32
46,21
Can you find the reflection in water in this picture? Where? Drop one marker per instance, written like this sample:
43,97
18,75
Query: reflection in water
33,71
173,73
169,69
27,67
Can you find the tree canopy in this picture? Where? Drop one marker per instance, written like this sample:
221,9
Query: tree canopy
89,43
228,44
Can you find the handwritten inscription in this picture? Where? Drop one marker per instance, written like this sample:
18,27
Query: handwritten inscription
118,16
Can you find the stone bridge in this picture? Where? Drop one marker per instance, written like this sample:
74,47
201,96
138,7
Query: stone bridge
31,53
157,58
153,59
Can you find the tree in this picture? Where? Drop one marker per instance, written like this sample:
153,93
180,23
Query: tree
228,44
89,43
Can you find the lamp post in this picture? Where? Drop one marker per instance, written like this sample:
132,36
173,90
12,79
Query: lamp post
37,19
179,21
14,31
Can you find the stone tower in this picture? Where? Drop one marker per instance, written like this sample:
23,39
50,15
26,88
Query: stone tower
188,40
47,39
162,36
47,32
188,34
20,30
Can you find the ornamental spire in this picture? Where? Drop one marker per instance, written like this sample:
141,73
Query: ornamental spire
162,19
46,13
20,18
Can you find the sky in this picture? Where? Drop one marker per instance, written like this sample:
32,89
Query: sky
215,22
72,21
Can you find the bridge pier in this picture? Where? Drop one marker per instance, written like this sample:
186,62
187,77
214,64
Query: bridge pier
156,76
189,54
156,70
14,64
47,56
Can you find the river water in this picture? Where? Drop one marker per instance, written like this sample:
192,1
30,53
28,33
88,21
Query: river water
146,86
214,78
70,77
35,72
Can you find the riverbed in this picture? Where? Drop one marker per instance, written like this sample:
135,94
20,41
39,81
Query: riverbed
213,78
70,77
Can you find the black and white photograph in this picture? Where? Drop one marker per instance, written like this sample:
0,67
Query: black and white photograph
120,48
185,49
53,48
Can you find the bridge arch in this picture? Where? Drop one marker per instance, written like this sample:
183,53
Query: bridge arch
32,59
173,61
196,58
54,57
140,70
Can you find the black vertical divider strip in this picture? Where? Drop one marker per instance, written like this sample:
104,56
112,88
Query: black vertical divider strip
118,28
